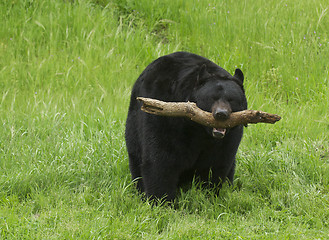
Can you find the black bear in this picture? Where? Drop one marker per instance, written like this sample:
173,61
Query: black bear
166,152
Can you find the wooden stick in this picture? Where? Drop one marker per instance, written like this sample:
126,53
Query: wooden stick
191,111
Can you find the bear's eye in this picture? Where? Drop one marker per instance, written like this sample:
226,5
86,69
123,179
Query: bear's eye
232,100
215,98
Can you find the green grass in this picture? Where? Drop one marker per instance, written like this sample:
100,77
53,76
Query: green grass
66,71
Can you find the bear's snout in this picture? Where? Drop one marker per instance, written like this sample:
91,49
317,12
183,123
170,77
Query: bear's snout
221,110
221,114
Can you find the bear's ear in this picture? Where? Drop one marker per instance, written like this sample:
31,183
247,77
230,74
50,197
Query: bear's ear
203,75
239,75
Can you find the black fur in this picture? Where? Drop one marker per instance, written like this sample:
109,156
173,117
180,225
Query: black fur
165,152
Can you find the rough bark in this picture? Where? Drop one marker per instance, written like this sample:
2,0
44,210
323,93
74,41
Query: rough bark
191,111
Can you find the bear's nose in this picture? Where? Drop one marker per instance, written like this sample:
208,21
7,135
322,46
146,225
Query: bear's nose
221,114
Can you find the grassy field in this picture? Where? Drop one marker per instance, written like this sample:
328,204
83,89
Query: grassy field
66,71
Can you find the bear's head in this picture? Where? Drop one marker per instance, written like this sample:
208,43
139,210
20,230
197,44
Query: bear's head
221,94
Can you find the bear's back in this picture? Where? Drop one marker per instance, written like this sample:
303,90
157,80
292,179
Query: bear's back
174,73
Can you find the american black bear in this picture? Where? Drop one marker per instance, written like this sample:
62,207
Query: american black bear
165,152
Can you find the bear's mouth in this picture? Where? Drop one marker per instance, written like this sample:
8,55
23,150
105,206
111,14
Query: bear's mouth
218,132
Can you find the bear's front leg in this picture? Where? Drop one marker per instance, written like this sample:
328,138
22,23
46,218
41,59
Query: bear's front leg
224,167
160,180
